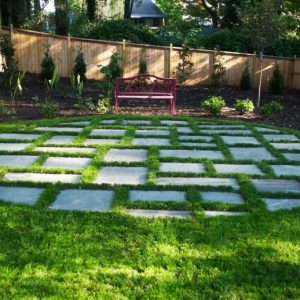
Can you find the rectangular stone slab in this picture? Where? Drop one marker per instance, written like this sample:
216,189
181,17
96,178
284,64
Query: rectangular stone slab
136,122
83,200
195,138
152,132
255,153
173,122
262,129
238,169
222,197
276,185
221,126
229,131
19,161
210,213
286,146
192,154
151,142
159,196
108,122
19,136
88,142
41,177
126,155
276,204
59,129
233,140
190,144
24,195
60,140
77,123
198,181
65,149
280,137
147,213
122,175
13,146
182,167
292,156
108,132
286,170
66,162
184,130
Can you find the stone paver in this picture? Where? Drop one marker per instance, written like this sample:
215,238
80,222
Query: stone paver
238,169
182,167
21,161
162,196
84,200
66,162
262,129
147,213
195,138
286,146
41,177
280,137
59,129
60,140
19,136
192,154
65,149
255,153
292,156
198,181
227,131
79,123
223,197
184,130
108,132
190,144
24,195
13,146
152,132
136,122
276,185
210,213
234,140
286,170
174,122
89,142
122,175
150,142
276,204
108,122
221,126
126,155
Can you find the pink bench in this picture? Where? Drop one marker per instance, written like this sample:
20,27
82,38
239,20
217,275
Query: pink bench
146,87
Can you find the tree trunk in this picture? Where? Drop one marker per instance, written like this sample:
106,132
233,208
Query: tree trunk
61,17
260,77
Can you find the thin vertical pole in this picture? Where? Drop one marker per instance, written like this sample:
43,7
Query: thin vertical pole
170,62
124,56
69,56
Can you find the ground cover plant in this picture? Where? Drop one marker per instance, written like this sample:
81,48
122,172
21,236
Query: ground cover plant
46,252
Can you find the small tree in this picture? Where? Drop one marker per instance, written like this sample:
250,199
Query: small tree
143,62
219,69
80,66
47,65
276,85
184,67
245,83
260,23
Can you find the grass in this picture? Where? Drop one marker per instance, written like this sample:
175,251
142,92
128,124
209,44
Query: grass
47,254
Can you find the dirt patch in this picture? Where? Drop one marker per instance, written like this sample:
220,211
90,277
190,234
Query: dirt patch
188,102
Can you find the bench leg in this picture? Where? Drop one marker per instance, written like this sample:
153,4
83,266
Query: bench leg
173,107
116,105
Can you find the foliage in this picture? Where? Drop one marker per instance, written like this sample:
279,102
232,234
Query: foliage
268,110
244,105
76,85
213,104
143,62
219,70
104,106
84,104
15,84
245,82
5,111
51,83
275,85
48,108
61,17
80,66
47,65
185,65
91,9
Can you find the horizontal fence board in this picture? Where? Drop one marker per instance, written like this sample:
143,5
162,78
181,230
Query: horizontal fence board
161,60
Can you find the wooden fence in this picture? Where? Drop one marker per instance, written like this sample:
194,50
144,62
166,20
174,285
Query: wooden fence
161,61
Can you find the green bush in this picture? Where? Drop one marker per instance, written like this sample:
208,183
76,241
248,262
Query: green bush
245,82
244,105
276,83
143,62
80,66
214,104
104,106
268,110
47,65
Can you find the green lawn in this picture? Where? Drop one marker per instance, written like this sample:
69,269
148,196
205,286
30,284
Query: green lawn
47,254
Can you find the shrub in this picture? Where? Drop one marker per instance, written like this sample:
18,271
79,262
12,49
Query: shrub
104,106
244,105
185,65
80,66
268,110
214,104
143,62
245,82
219,70
276,83
47,65
48,108
76,85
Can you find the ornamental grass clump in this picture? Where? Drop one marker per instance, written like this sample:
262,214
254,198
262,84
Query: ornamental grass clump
213,104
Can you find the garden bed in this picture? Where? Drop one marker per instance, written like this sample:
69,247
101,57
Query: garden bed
188,102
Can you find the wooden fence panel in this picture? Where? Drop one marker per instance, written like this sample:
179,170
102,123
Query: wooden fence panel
296,75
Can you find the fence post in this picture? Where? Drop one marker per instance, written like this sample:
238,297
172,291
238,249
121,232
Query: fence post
170,60
11,32
253,69
124,56
69,56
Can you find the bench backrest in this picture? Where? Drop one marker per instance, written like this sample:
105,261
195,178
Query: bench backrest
145,84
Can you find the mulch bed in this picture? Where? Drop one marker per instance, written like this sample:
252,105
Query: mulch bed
188,102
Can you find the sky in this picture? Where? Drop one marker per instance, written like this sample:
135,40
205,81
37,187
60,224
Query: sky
50,6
